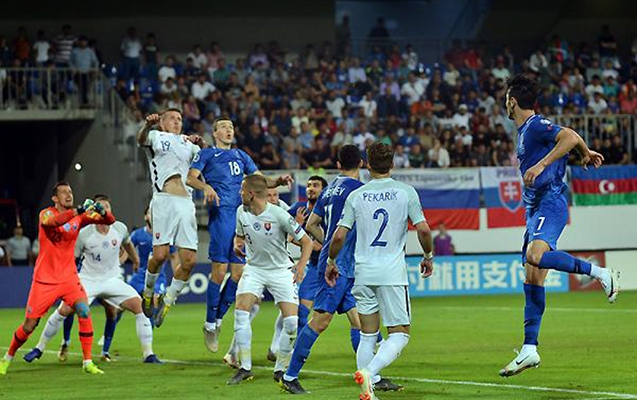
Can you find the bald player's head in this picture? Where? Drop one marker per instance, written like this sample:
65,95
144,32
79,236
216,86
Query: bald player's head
253,186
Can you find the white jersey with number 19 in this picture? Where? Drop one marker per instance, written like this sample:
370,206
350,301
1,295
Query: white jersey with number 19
381,210
168,155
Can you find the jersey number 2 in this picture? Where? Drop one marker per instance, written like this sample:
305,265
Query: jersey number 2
381,212
234,168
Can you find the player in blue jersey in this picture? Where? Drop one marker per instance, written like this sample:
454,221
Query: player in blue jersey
543,149
222,169
328,299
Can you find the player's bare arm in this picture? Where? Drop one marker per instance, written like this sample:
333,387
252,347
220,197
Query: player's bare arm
142,135
565,141
313,227
239,246
194,181
338,240
283,180
426,243
587,155
132,255
306,252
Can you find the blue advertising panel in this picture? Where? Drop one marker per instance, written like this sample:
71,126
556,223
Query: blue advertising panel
479,274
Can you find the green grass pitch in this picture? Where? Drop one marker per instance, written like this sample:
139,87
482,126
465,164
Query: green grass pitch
457,346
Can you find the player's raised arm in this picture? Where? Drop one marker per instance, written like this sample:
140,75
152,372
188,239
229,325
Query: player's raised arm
587,155
96,214
50,220
195,182
283,180
565,141
142,135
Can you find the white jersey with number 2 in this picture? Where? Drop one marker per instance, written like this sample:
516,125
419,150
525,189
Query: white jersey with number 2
381,210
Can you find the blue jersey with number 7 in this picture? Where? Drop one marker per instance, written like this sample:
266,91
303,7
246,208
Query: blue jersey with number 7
224,169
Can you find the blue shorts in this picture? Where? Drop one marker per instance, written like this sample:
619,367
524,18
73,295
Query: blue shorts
335,299
138,279
545,221
222,223
309,284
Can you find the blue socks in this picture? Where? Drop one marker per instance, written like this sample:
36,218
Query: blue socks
304,312
562,261
109,331
227,298
355,337
212,301
535,304
68,325
304,343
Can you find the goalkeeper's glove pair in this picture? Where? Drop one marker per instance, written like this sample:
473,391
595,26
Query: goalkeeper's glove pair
90,205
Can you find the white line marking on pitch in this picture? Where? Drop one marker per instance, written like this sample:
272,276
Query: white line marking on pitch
613,395
559,309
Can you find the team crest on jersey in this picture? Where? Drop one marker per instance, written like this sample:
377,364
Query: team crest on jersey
105,245
256,226
267,226
114,242
510,193
157,235
67,227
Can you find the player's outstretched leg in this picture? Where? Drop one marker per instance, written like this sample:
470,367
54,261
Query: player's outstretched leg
562,261
20,336
179,282
51,329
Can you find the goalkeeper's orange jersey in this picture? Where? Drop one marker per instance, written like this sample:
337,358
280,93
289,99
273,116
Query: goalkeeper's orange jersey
57,234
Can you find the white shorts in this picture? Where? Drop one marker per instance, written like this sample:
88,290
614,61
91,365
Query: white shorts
279,282
113,290
392,302
174,221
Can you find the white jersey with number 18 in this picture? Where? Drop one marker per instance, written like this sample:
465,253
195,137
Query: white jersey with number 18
381,210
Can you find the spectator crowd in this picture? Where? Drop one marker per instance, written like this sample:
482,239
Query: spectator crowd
293,112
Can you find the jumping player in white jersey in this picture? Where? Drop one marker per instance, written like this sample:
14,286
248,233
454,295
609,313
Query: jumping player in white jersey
381,210
99,246
173,212
262,229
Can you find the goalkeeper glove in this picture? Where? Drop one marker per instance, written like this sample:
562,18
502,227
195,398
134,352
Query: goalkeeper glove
99,208
88,203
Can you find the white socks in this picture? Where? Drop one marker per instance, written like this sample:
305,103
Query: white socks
528,349
598,272
286,342
173,291
144,333
210,326
53,325
365,352
234,348
388,352
149,283
243,337
278,327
